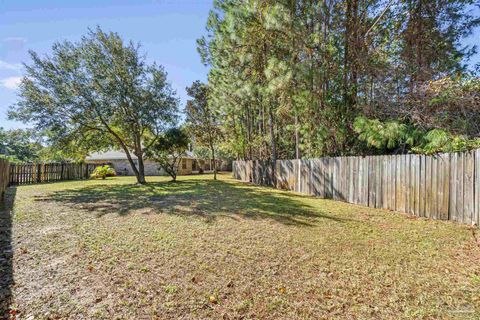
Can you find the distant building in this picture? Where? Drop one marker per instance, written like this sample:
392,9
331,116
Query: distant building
188,164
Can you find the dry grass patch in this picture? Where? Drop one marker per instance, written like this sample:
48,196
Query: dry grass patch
203,249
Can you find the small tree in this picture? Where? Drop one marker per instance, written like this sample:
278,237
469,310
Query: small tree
201,120
97,94
169,149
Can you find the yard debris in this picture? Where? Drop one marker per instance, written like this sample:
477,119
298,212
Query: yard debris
474,234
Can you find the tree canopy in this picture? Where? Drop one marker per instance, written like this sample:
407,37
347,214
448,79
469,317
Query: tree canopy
169,149
201,120
295,78
96,94
20,145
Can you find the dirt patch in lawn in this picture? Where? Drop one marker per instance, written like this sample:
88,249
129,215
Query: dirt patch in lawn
203,249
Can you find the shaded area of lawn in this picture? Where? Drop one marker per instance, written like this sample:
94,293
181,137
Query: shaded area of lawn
203,249
6,251
198,197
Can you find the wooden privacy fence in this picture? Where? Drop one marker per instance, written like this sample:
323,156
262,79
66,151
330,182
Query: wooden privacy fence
47,172
444,186
4,176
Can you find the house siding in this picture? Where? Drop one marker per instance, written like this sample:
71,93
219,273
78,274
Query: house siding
123,168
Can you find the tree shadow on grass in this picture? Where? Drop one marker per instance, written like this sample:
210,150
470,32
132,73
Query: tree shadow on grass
207,199
6,252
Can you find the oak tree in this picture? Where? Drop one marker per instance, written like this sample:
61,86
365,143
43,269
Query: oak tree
96,94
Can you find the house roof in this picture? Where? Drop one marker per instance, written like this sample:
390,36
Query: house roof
119,155
109,155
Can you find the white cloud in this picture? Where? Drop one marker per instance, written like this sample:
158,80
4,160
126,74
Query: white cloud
11,83
18,39
10,66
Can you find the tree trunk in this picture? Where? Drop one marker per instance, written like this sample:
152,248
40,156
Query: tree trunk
350,55
272,143
141,170
174,168
293,82
139,153
214,162
140,177
297,139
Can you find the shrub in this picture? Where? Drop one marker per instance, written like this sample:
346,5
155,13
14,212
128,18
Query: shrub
103,172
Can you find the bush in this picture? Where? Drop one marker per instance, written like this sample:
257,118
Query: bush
103,172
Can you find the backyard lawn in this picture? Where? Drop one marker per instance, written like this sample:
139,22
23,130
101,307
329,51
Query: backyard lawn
204,249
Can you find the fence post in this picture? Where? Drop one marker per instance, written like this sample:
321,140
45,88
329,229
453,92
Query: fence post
39,173
477,187
61,171
12,174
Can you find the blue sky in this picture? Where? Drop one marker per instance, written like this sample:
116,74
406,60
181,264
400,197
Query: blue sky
167,30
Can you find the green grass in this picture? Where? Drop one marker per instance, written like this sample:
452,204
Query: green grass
203,249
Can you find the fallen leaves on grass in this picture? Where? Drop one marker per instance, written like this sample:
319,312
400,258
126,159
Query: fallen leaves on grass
204,249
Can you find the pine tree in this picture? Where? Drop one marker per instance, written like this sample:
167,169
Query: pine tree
291,76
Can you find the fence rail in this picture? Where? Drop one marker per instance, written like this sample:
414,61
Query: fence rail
444,186
48,172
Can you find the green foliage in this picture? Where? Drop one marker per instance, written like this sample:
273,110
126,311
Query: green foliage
169,149
28,145
290,78
54,154
102,172
201,120
385,135
438,140
392,135
174,141
95,94
20,145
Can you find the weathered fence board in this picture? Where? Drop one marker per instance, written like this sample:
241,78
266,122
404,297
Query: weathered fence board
4,176
459,184
19,174
477,187
443,186
469,187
